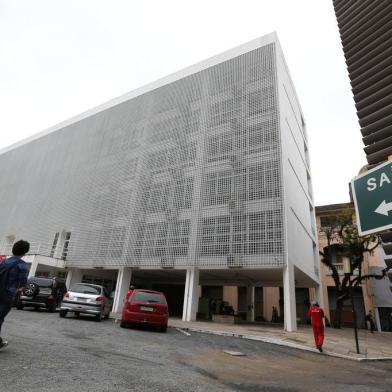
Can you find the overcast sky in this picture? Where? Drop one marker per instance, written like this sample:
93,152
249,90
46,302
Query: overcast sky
60,58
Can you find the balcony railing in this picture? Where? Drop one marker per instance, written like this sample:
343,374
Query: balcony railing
340,269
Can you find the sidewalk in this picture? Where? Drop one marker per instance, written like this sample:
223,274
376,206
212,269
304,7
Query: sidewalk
338,342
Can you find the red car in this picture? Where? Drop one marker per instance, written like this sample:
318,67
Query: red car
145,307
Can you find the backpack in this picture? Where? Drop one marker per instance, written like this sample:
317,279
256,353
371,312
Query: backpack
4,276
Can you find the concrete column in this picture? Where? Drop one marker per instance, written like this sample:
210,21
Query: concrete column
191,296
33,267
250,302
122,286
290,309
377,317
74,275
320,297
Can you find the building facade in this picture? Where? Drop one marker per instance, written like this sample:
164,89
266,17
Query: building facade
198,178
372,294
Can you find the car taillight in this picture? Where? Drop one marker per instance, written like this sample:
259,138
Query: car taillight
99,299
131,305
66,295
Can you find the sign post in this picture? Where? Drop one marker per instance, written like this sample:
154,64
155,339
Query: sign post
372,193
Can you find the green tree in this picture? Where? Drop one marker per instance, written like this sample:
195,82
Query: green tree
343,240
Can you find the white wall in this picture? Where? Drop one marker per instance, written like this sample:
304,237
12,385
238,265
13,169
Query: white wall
298,200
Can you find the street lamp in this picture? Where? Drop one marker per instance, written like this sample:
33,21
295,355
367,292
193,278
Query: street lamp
347,268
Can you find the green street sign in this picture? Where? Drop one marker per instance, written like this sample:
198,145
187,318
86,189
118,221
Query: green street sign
372,193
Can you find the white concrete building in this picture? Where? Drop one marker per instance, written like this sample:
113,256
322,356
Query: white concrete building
201,178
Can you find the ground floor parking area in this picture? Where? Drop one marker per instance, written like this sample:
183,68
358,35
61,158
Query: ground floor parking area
47,353
194,293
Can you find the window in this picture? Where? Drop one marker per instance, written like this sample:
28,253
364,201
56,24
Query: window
179,156
215,236
335,221
217,188
116,244
219,147
263,182
221,112
163,238
239,235
123,199
66,245
157,197
255,233
254,182
144,296
183,192
54,245
85,289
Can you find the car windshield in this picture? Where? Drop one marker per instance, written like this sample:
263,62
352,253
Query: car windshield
148,297
85,289
42,282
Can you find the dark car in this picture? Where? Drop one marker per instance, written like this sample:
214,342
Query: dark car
42,293
146,307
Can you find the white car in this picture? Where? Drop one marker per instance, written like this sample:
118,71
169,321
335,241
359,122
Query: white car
86,298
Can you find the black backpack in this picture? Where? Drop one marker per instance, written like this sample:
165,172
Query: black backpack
4,276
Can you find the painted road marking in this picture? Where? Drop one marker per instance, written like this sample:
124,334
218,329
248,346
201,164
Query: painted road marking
184,332
234,353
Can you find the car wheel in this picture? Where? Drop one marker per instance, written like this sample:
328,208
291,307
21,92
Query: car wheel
63,313
163,329
123,324
98,317
31,290
77,314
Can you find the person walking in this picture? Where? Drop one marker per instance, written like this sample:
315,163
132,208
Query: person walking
275,317
316,315
13,274
369,321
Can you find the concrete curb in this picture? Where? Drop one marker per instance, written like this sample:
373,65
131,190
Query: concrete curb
281,342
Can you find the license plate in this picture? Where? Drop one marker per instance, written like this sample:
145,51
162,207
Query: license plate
81,299
147,308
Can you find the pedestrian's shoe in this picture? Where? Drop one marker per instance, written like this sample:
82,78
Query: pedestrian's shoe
320,349
3,343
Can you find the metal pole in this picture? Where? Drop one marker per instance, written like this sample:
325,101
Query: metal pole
354,317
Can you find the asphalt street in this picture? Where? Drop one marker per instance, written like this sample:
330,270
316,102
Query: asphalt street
46,353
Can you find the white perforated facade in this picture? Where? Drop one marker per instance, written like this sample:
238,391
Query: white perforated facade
206,168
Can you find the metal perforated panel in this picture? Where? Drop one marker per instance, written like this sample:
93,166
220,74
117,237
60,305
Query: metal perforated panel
186,174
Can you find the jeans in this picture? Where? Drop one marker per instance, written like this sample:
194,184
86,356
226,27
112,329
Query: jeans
5,306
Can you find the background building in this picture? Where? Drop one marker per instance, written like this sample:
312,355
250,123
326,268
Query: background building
365,29
201,178
372,294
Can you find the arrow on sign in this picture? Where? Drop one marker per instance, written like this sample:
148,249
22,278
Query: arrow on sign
384,208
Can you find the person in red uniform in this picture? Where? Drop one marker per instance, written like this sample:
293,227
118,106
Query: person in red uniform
129,293
316,315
